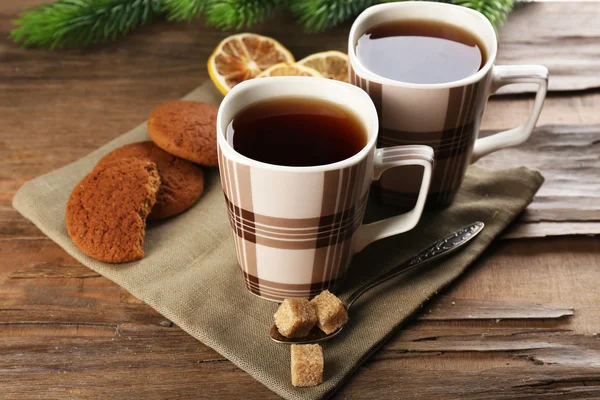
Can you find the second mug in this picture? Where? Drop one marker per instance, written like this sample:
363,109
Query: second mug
445,116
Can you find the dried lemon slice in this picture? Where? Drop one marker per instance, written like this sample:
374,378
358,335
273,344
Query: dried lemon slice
331,64
244,56
285,69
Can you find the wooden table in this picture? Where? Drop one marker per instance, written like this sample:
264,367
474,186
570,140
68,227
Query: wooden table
523,322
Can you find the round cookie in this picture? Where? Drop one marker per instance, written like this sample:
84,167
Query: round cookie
181,182
107,210
186,129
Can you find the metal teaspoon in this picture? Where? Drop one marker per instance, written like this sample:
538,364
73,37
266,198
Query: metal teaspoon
437,250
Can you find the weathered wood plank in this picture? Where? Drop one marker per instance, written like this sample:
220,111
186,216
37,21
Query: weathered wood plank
120,367
557,350
510,382
429,330
458,309
50,271
505,112
558,272
569,157
132,345
506,361
559,215
563,36
544,229
136,362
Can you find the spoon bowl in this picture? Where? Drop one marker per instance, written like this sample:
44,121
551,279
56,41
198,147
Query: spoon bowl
314,336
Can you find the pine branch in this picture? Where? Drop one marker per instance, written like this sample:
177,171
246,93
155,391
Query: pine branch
235,14
70,23
495,10
318,15
183,10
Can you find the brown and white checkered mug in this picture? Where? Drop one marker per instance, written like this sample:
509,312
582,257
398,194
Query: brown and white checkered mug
445,116
295,229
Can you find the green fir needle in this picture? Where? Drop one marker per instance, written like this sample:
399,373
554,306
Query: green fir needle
79,23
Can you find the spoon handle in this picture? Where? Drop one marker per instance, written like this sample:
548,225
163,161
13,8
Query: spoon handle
437,250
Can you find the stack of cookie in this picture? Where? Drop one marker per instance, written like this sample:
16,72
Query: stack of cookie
154,180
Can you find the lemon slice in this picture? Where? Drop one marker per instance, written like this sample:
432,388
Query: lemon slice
331,64
244,56
285,69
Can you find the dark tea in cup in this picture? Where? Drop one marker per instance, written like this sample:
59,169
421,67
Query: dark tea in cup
420,51
296,132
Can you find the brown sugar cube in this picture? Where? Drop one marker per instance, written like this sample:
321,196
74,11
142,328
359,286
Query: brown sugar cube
331,313
295,317
307,364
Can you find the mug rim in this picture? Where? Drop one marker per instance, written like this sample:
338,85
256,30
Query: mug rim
360,69
303,83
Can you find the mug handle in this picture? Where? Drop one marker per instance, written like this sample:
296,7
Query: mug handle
503,75
385,159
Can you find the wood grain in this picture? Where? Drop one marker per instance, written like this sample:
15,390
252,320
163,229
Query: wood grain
569,157
525,322
54,270
78,337
467,309
569,200
505,112
545,228
563,36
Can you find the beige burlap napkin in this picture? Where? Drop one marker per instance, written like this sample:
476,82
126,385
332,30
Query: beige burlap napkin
190,274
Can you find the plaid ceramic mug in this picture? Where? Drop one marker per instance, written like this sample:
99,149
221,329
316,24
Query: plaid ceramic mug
295,229
445,116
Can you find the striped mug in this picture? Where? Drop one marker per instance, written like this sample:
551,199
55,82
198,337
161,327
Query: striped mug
445,116
295,229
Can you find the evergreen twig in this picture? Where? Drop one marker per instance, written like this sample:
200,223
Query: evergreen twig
183,10
235,14
318,15
70,23
495,10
